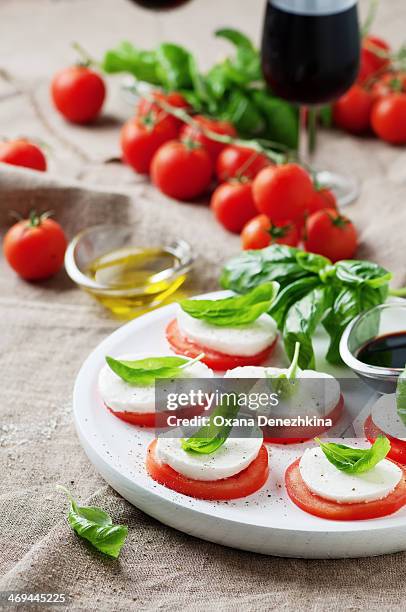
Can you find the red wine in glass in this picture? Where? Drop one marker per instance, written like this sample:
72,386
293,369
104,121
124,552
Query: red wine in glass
310,56
159,5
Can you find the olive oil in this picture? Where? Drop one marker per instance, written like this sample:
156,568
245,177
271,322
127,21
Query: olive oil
134,281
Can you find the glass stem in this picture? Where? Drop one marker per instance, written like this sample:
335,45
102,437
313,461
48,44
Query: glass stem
307,134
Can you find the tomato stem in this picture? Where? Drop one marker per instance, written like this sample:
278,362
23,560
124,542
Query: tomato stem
401,292
86,59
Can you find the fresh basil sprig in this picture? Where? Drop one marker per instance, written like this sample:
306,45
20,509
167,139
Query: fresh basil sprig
355,460
285,384
313,291
143,372
210,437
95,525
401,396
233,311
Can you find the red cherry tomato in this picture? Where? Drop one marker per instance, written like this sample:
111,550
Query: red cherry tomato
397,447
375,49
391,82
389,118
283,192
330,234
240,485
182,171
328,509
141,138
233,205
213,359
260,233
322,198
234,162
78,93
146,107
35,247
194,134
23,153
352,112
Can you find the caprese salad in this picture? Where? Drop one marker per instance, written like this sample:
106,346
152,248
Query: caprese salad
210,465
310,401
388,417
127,384
231,332
343,483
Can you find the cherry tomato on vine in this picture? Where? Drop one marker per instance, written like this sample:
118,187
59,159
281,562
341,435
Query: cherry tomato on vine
22,153
330,234
146,106
375,50
283,192
182,170
260,232
234,162
35,247
141,138
195,134
389,83
389,118
233,204
352,112
78,93
322,198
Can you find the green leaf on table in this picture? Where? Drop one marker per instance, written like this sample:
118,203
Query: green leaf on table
143,372
355,460
356,272
211,437
233,311
285,384
173,66
126,58
243,114
281,118
95,525
401,396
236,37
301,322
289,295
312,262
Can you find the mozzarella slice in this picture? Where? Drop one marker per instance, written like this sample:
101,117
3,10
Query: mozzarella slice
325,480
235,455
123,397
245,340
310,399
385,416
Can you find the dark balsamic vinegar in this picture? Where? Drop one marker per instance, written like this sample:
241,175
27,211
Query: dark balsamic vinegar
388,351
159,5
310,49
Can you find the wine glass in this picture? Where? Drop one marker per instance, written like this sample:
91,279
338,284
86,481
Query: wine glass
310,56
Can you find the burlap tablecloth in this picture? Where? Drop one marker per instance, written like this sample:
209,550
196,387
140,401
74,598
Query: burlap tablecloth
47,329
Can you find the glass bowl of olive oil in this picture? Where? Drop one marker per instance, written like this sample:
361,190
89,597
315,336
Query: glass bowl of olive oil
125,276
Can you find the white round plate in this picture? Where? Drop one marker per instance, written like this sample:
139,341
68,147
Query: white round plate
266,522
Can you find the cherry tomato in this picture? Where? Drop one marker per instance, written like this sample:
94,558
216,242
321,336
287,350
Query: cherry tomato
366,70
182,171
78,93
374,50
22,153
322,198
397,447
389,118
195,134
240,485
213,359
329,509
35,247
233,205
260,232
141,138
330,234
352,112
391,82
283,192
146,107
234,162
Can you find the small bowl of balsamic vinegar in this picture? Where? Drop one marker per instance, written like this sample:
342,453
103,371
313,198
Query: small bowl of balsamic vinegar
374,345
125,276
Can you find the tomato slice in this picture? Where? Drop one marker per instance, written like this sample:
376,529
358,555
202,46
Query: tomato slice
397,447
156,419
301,495
301,434
142,419
213,359
245,483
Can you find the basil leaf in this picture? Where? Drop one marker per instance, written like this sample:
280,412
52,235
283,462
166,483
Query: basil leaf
285,384
243,114
173,66
356,272
233,311
312,262
211,437
236,37
96,526
289,295
401,396
143,372
126,58
301,322
355,460
281,118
